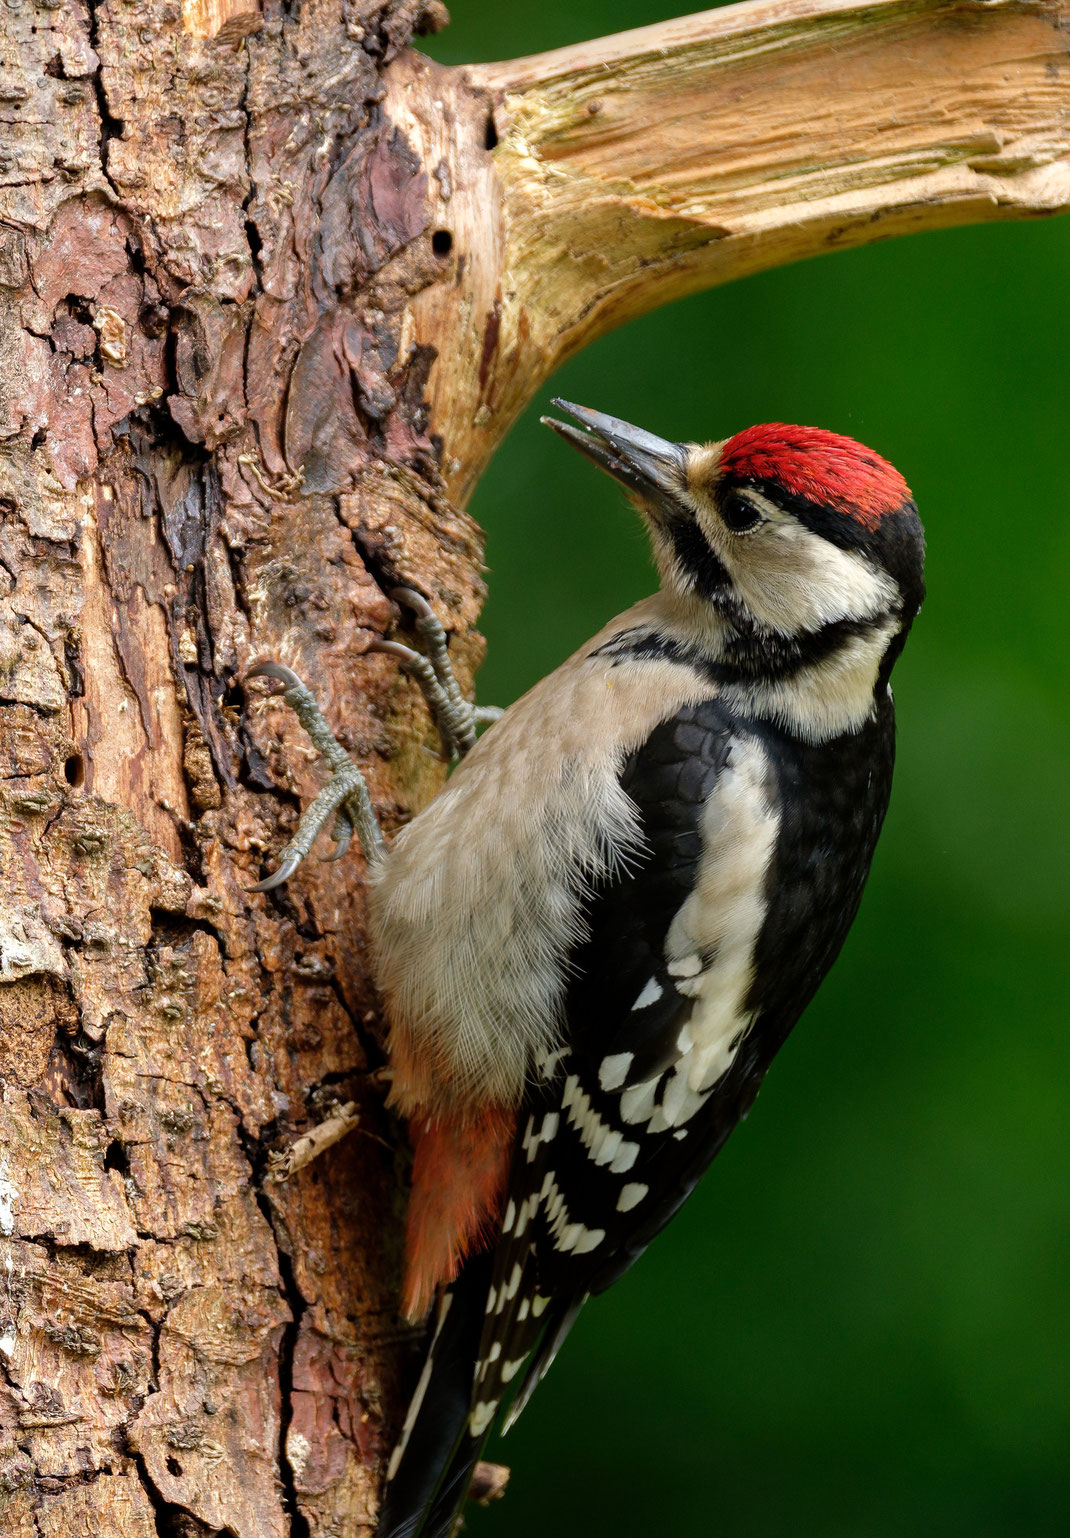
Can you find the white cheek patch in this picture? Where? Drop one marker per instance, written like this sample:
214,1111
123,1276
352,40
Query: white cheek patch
791,579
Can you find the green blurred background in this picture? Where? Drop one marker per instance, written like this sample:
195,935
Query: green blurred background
860,1323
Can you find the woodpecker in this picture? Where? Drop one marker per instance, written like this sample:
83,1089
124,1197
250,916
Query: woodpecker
593,942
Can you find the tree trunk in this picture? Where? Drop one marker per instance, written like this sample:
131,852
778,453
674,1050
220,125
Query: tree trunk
234,239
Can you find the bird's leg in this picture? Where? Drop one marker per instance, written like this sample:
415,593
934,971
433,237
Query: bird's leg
344,801
455,718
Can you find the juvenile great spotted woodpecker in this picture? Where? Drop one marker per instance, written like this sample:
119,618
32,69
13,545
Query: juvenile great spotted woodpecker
593,942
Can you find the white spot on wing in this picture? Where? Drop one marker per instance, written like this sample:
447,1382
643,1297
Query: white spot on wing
548,1066
613,1070
509,1292
679,1102
637,1103
481,1417
721,919
626,1157
589,1239
631,1195
546,1133
650,995
608,1146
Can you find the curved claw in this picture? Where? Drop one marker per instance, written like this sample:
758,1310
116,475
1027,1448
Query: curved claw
277,670
397,649
343,837
284,872
413,600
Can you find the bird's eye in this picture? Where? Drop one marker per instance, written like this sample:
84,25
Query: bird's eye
739,515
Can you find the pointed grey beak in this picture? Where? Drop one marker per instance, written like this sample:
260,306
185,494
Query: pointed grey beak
649,467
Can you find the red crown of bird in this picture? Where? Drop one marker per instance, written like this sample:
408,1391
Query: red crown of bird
825,468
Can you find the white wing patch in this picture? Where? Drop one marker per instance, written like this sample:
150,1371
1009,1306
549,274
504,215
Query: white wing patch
637,1103
710,946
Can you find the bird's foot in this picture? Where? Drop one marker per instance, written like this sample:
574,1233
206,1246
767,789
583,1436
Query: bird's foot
344,802
456,719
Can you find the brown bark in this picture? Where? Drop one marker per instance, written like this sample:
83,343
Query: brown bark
233,238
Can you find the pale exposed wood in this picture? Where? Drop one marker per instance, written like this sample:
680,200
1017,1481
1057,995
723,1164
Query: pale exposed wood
228,20
638,168
301,1152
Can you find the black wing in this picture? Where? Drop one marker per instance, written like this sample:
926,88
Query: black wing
589,1189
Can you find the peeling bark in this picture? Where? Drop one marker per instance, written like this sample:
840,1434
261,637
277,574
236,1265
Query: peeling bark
234,240
213,446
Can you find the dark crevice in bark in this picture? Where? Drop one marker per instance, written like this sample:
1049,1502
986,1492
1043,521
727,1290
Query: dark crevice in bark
299,1526
111,127
256,1152
168,929
256,245
385,576
173,1521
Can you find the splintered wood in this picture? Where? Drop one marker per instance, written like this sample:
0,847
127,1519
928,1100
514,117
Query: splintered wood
637,168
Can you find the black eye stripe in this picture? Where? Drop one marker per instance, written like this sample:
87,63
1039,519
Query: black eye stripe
698,560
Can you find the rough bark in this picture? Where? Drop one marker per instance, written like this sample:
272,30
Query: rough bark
233,239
